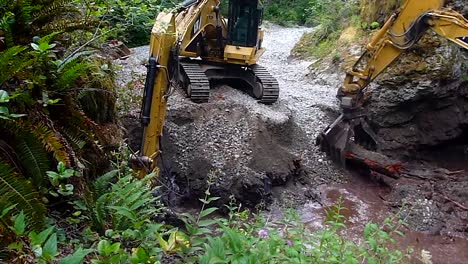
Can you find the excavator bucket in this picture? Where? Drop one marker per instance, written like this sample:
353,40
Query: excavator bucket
337,139
334,139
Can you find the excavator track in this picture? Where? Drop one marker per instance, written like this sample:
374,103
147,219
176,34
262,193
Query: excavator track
195,82
270,91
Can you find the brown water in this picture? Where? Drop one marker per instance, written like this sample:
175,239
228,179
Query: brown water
364,202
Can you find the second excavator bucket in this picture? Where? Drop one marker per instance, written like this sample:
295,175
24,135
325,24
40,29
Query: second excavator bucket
334,139
337,138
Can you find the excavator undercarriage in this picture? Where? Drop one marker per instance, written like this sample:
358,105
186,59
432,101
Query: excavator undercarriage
197,75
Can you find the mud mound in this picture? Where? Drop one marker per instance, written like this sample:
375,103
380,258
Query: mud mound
246,150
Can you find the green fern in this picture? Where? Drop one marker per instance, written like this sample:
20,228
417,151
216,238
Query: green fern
33,158
76,137
6,22
70,74
119,205
11,62
29,18
25,10
52,142
15,189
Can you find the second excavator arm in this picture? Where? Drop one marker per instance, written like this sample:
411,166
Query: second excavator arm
399,33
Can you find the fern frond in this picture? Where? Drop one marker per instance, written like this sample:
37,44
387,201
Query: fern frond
8,155
69,75
102,183
11,127
51,142
15,189
67,26
24,13
7,20
53,8
11,63
48,38
73,58
83,93
33,157
76,137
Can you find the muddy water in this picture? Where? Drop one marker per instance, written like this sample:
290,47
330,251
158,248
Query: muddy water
363,202
363,199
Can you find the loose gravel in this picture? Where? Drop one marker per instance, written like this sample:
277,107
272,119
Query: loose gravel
248,146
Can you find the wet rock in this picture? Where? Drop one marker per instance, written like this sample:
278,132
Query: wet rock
420,101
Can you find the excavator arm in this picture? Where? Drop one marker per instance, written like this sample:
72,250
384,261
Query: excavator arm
163,50
399,33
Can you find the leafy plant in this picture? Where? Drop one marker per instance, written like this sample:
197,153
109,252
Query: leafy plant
42,246
18,193
132,19
20,20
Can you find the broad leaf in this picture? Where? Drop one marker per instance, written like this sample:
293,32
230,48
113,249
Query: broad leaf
19,225
4,98
207,211
49,251
77,257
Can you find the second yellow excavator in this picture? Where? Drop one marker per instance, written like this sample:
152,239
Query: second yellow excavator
400,32
192,46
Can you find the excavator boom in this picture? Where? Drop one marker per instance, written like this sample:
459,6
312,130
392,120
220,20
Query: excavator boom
399,33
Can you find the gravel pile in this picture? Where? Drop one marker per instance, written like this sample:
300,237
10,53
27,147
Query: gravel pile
248,147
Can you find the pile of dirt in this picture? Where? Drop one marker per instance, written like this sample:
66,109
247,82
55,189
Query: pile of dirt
244,148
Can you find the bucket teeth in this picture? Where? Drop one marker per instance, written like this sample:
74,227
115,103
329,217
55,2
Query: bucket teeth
334,140
337,138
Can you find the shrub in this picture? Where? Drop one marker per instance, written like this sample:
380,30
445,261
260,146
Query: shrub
131,20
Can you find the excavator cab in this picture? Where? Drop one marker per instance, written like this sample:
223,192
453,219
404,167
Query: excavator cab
244,20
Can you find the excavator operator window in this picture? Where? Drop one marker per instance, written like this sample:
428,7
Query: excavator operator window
244,19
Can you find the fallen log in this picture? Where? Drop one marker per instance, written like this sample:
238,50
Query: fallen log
373,161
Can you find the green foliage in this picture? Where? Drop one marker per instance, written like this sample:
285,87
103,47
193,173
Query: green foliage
287,12
42,123
16,192
58,180
132,20
4,111
330,17
22,20
12,61
292,242
41,246
121,205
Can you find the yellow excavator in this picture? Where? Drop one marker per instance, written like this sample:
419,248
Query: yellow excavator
193,46
399,33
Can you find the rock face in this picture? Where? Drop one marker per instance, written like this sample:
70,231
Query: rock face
421,101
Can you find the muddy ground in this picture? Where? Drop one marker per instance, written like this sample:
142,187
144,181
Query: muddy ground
266,155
